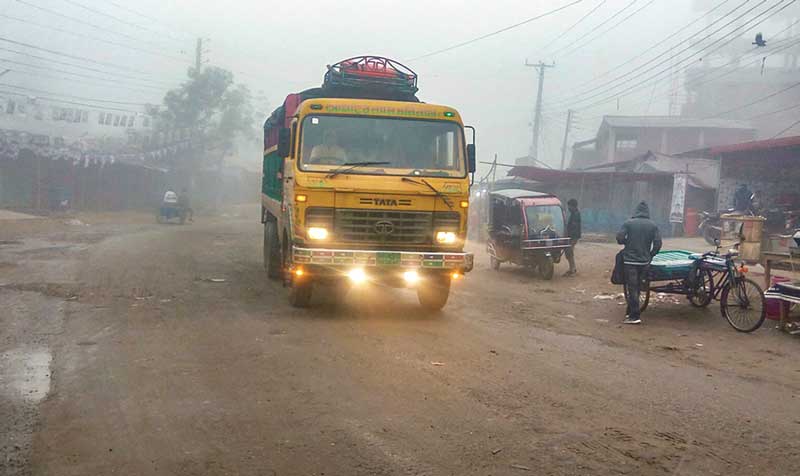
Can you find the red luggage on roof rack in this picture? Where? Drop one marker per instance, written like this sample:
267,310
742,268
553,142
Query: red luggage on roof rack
373,73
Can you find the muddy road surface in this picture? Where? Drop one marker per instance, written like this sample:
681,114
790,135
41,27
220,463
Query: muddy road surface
133,348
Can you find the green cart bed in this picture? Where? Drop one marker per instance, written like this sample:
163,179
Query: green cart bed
669,265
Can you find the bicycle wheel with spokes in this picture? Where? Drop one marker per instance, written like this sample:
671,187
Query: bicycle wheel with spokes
742,304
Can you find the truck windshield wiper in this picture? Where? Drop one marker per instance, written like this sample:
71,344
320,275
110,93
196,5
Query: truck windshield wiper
439,194
348,166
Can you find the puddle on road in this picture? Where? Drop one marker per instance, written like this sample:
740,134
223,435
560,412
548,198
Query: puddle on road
25,373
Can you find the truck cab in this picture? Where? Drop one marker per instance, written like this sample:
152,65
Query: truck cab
362,182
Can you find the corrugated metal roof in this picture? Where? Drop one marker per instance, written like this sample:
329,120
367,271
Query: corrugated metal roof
675,122
783,142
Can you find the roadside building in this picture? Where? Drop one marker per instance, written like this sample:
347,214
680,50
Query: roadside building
621,138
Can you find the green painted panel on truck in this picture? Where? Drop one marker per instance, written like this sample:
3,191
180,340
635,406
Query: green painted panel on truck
271,178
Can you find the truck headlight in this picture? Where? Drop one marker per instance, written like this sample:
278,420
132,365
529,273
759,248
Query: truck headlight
317,233
446,237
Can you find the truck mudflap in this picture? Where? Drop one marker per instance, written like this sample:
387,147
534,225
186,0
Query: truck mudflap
371,258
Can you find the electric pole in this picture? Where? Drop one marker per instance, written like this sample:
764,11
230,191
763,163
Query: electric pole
198,62
566,137
537,116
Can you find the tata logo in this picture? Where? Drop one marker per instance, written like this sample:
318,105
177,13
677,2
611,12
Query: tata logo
384,228
385,202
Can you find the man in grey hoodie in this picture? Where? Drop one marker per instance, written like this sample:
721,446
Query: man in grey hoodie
642,242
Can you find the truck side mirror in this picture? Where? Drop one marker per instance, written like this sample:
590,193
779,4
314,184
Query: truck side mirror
471,161
284,142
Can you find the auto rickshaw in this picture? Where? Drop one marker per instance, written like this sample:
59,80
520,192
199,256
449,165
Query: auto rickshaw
528,229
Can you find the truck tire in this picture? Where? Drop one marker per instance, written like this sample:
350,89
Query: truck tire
300,293
434,292
272,250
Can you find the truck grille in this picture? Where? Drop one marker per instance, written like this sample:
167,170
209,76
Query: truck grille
383,226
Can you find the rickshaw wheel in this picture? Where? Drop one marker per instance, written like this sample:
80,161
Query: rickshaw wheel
494,263
547,269
706,295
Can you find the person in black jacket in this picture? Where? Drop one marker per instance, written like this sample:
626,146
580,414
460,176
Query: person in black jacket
642,242
574,234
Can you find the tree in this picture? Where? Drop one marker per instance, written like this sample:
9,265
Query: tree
210,105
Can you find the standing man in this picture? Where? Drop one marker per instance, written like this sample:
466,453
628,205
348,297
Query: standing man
642,242
574,234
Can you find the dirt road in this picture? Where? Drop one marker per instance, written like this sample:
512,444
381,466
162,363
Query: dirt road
121,355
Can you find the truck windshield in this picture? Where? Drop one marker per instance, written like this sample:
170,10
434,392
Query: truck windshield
400,146
543,216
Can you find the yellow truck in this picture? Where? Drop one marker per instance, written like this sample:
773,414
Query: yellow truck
362,183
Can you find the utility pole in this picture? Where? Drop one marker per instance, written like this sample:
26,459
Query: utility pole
537,116
566,137
198,62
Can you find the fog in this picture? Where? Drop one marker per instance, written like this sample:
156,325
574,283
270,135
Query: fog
280,47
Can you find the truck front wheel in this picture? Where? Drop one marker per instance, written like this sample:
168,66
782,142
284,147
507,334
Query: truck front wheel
433,293
272,250
300,293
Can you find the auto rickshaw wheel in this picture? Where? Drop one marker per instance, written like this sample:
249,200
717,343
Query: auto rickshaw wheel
494,263
547,268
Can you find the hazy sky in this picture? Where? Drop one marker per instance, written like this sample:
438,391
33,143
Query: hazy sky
280,47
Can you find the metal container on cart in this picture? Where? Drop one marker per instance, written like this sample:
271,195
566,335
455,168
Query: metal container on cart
747,231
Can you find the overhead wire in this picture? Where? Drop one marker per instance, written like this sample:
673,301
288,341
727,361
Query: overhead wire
618,94
70,56
86,23
76,103
497,32
791,126
61,71
68,96
95,38
572,27
788,43
609,85
85,68
597,27
596,37
108,15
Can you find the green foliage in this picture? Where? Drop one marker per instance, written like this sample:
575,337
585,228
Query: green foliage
211,105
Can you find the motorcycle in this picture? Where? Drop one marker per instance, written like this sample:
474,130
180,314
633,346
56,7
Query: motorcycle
711,226
170,211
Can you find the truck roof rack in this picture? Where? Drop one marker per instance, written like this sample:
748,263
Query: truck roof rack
371,76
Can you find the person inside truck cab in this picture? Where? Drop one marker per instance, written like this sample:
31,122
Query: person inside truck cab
329,151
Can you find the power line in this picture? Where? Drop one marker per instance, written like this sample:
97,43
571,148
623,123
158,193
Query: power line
83,22
597,27
606,89
661,42
634,13
67,55
791,126
85,68
94,38
56,70
40,74
80,98
502,30
108,15
572,27
147,17
788,44
75,103
608,85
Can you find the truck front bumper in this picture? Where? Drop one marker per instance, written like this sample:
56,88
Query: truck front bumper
411,260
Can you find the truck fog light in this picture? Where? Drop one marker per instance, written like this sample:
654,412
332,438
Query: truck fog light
445,237
317,233
357,275
411,277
